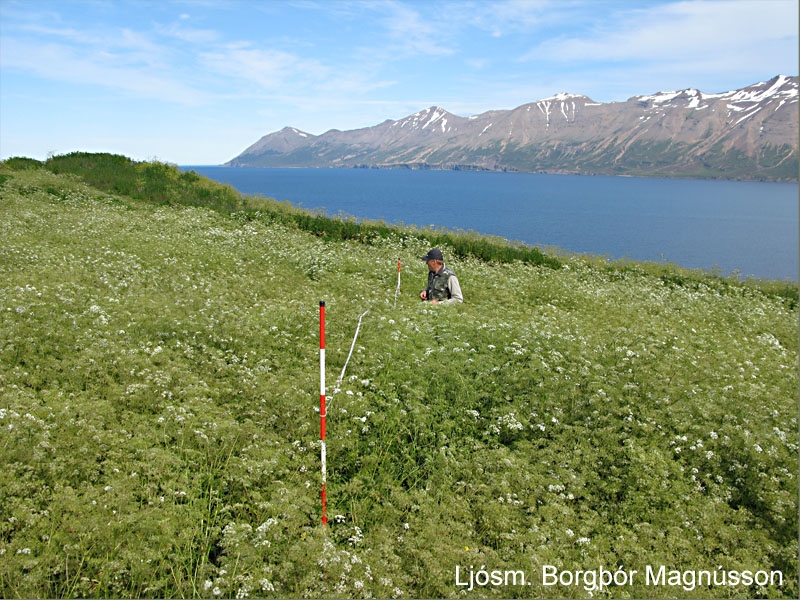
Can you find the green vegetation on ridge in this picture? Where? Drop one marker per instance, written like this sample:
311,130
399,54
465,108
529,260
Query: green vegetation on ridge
159,395
162,183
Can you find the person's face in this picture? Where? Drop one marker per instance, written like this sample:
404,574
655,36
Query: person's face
434,265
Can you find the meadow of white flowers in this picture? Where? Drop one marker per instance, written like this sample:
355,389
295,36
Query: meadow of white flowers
159,414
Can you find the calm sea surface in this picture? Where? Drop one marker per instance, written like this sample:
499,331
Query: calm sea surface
750,228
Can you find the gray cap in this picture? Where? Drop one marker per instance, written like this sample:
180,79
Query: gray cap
433,254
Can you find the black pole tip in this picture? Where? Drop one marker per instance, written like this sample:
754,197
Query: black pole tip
322,302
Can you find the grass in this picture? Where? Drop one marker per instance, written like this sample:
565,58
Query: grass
159,406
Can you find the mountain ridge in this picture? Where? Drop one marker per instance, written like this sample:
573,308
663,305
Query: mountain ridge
749,133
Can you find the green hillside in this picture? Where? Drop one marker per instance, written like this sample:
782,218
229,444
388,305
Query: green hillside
575,428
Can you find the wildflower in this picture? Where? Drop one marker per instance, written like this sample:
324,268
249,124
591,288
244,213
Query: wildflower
356,538
267,524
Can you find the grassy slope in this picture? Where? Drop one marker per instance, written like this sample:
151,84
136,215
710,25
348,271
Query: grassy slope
158,385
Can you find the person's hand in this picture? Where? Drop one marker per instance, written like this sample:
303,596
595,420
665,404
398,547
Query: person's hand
434,302
423,295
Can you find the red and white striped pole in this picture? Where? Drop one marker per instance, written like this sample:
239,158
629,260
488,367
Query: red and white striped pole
322,411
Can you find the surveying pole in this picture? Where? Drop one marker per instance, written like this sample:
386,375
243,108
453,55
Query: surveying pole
322,411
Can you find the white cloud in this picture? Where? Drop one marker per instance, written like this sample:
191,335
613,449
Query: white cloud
640,48
189,34
266,68
127,73
679,31
412,34
511,16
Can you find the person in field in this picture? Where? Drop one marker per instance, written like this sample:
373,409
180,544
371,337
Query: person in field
443,286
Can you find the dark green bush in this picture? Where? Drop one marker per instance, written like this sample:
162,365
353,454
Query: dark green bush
21,163
155,182
108,172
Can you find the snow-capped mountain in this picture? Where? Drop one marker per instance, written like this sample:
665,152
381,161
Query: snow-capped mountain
751,133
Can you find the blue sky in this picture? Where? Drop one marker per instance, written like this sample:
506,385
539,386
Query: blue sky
196,82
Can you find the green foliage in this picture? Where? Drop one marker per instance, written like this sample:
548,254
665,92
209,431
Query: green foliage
21,163
108,172
462,244
154,182
161,183
159,394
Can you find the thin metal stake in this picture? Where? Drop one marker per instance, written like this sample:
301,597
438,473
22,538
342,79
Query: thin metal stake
397,291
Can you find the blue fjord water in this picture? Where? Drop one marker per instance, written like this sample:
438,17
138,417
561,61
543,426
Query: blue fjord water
745,228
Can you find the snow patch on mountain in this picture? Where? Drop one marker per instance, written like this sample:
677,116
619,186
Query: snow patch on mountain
778,87
426,118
